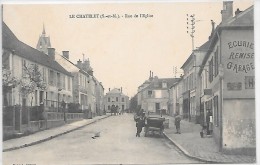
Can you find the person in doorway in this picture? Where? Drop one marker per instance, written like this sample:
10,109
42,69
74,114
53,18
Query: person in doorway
178,123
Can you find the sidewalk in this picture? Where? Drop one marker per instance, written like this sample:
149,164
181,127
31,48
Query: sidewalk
48,134
204,149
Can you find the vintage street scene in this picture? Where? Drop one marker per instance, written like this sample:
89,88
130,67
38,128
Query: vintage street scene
128,83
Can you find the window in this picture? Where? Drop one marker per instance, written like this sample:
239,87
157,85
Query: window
24,68
117,99
63,82
123,99
164,84
5,60
216,116
150,94
158,94
7,97
44,78
211,70
68,78
58,80
216,62
36,97
51,77
108,107
108,99
80,79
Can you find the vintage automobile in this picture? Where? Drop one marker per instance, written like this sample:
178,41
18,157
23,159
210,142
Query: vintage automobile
154,125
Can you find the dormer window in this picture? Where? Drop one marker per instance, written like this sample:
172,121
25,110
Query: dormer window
164,84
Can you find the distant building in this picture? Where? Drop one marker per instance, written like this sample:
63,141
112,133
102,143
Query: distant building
117,98
87,90
191,109
153,94
44,42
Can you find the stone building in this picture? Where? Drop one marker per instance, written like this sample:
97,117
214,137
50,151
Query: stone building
30,66
117,98
227,81
153,94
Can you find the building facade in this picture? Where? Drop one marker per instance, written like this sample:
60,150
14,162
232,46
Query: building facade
154,96
42,83
116,98
227,81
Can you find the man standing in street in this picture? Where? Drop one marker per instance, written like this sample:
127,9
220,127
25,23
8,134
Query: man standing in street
178,123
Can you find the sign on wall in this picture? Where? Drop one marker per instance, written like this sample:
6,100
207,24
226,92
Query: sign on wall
238,63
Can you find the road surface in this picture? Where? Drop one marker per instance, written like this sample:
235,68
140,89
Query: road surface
117,144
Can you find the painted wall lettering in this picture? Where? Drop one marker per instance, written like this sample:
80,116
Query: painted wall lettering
241,59
249,82
245,44
234,86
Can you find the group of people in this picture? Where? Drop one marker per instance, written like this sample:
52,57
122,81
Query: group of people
140,122
116,110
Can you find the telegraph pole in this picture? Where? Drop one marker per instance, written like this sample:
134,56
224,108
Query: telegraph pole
175,71
191,29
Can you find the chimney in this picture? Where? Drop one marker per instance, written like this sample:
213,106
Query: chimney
51,53
65,54
108,89
121,90
90,72
227,11
79,64
212,29
237,12
152,74
156,81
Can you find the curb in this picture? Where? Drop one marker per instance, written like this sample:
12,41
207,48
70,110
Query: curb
186,153
51,137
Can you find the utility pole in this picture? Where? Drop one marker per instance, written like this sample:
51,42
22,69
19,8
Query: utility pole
175,71
191,29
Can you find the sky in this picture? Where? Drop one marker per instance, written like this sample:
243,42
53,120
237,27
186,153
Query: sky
122,51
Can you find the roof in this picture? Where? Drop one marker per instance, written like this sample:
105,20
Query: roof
187,61
114,91
203,47
11,42
63,61
157,83
243,20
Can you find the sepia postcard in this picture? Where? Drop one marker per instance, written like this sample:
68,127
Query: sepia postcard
128,82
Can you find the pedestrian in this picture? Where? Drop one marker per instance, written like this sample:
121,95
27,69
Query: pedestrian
140,122
178,123
209,122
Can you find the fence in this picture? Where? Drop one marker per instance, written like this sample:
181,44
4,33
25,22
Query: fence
32,119
8,116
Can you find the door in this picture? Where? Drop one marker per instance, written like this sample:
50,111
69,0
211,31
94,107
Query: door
157,108
41,97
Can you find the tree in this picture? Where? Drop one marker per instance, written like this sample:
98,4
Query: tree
133,103
8,82
32,80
